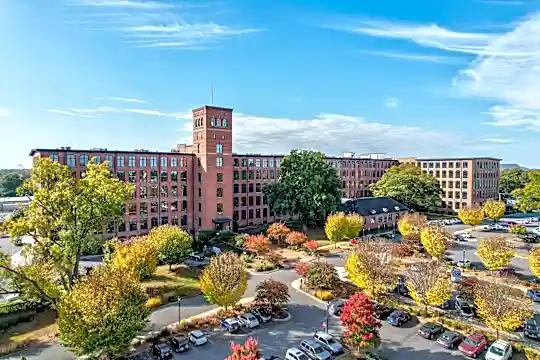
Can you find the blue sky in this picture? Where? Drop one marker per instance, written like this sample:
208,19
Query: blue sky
416,78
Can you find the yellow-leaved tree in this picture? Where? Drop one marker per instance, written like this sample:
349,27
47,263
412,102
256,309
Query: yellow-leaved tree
410,225
435,240
103,313
429,283
495,252
173,244
471,216
534,262
137,257
500,308
224,280
341,226
494,209
369,266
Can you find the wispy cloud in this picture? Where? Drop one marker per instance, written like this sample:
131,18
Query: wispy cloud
160,24
123,99
99,112
3,112
392,102
502,2
414,57
498,140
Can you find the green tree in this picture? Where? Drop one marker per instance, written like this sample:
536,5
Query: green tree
224,280
513,179
62,219
102,313
10,181
173,245
409,185
528,198
495,252
308,187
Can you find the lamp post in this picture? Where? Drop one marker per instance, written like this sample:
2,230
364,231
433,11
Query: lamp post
179,309
326,319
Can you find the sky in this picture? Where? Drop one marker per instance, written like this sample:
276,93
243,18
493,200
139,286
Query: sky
417,78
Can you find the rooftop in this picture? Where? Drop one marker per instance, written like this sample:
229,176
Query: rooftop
370,206
458,158
212,107
68,149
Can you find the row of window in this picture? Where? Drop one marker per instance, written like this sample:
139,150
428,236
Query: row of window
486,183
249,201
245,162
371,164
457,184
143,224
255,174
214,122
154,207
444,164
356,184
456,194
247,188
252,214
163,191
352,194
451,174
363,173
71,160
163,176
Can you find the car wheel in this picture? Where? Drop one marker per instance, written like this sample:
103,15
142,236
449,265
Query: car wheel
474,355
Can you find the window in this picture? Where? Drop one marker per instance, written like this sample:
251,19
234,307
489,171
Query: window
243,201
251,174
258,163
121,175
120,161
250,188
219,192
258,187
184,205
164,220
265,163
153,176
244,162
153,191
132,176
164,191
71,161
213,122
225,123
144,224
218,122
219,208
236,162
109,160
174,161
163,162
164,177
174,205
271,163
250,200
174,176
143,192
235,189
257,200
164,206
244,175
183,176
143,176
132,209
131,161
236,175
251,163
153,161
244,188
142,161
121,226
219,149
84,160
219,177
219,162
174,190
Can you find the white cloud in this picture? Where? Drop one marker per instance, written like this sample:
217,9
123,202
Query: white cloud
502,2
161,24
498,140
3,112
123,99
414,57
100,111
392,102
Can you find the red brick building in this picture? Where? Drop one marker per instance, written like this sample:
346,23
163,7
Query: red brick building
206,185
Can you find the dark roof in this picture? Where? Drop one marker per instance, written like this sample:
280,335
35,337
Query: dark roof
370,206
106,151
222,220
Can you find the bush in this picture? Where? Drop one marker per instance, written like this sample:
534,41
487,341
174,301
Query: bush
401,251
16,306
302,269
239,240
248,258
295,239
153,303
324,295
263,265
518,229
322,276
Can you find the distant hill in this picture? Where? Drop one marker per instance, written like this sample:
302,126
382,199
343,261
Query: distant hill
512,166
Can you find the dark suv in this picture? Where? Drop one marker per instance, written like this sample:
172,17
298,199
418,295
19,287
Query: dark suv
532,329
162,351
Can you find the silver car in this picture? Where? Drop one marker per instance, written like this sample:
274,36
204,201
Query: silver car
328,342
314,350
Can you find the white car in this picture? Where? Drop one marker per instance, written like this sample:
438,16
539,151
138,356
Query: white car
500,227
499,350
536,231
295,354
197,337
248,320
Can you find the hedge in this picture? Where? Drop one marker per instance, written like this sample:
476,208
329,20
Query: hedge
15,306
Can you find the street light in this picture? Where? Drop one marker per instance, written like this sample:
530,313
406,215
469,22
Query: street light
326,320
179,307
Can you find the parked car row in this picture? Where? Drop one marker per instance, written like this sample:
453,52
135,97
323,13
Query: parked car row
250,320
178,344
322,346
453,221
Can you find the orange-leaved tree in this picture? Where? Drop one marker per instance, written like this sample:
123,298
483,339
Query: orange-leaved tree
278,232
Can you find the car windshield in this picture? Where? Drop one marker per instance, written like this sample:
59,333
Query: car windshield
471,342
447,336
318,349
428,327
466,308
302,357
496,350
331,341
197,335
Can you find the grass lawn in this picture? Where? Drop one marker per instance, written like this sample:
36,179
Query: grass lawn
182,277
317,234
42,329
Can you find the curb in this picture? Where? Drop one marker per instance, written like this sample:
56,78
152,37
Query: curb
289,316
296,285
265,272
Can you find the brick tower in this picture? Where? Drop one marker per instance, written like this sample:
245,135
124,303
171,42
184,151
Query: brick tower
212,142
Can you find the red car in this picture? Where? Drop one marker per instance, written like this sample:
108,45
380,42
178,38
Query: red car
354,241
473,345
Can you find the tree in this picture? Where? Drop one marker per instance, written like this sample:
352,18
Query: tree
518,229
258,244
322,276
412,224
63,217
513,179
341,226
495,252
428,283
296,238
278,232
361,327
249,351
370,267
102,313
312,245
173,245
410,186
274,292
10,181
224,280
137,257
435,241
534,262
500,308
471,216
308,187
528,198
494,209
